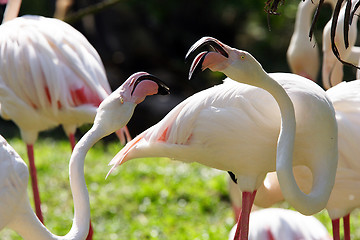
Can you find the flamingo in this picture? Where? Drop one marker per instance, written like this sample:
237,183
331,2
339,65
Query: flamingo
235,127
113,113
277,224
301,47
345,195
303,56
345,101
51,75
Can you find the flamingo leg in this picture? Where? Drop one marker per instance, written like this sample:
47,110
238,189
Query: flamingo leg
91,232
346,220
73,143
34,183
72,140
242,229
269,234
336,228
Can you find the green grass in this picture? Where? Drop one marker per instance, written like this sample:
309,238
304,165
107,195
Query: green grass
153,198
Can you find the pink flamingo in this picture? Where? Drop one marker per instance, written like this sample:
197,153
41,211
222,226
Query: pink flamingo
113,113
235,127
51,75
345,195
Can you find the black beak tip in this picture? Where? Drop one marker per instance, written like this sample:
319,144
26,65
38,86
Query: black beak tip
163,89
187,56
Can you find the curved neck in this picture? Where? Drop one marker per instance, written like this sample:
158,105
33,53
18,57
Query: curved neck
306,204
29,226
285,144
323,180
80,227
12,10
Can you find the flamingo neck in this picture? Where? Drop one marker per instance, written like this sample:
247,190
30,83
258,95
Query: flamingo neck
80,227
286,139
29,226
303,17
317,199
12,10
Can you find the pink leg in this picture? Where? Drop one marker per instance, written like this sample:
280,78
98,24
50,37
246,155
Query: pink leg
336,228
269,234
242,229
91,232
346,220
72,140
127,134
124,135
34,183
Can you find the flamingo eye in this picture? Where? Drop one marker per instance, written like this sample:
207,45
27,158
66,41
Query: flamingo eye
242,57
121,100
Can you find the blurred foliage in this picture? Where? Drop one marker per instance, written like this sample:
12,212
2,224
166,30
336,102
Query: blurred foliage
154,36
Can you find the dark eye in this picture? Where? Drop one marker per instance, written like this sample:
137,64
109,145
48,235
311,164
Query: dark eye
242,57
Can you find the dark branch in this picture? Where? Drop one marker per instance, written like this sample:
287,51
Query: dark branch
271,6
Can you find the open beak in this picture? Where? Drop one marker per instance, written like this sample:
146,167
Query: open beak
163,88
197,64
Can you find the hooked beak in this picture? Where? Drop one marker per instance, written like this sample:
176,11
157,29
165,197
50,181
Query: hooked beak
163,89
198,62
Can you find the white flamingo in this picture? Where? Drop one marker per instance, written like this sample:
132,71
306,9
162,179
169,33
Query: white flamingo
345,196
300,46
279,224
50,75
235,127
113,113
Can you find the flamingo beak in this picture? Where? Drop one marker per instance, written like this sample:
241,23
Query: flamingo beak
198,63
163,89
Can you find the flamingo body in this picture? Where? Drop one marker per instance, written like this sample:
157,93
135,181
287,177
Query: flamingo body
346,195
277,224
14,177
61,79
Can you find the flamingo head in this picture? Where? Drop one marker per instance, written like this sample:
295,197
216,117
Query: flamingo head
115,111
237,64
